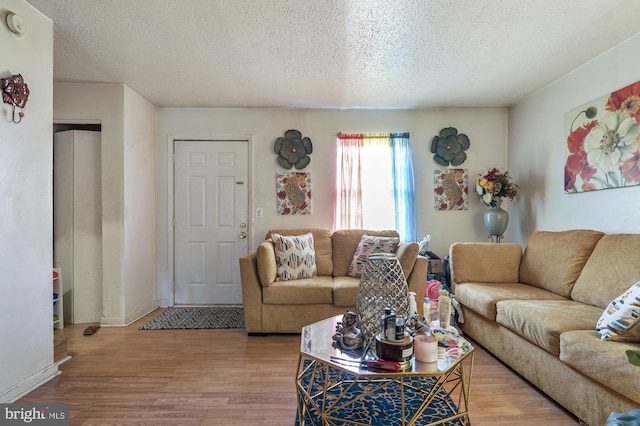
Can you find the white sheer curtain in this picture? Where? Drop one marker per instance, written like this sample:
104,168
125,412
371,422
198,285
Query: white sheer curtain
374,183
378,208
348,191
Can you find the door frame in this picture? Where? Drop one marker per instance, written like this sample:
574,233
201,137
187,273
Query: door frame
106,256
171,275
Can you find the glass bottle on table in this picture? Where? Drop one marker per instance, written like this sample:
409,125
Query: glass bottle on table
384,323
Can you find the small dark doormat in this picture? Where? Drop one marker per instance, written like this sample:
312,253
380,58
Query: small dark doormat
197,318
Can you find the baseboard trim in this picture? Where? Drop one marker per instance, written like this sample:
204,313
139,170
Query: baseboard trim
135,316
130,318
30,384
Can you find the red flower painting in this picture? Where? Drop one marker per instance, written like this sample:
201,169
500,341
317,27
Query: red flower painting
603,151
577,163
627,100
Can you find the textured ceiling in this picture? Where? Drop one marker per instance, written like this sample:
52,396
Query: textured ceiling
332,53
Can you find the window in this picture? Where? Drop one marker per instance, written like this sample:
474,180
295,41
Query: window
374,183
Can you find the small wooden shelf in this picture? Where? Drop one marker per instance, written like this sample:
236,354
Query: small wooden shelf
58,308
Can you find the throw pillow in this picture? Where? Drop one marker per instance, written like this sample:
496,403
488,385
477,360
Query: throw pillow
367,246
621,320
295,257
423,245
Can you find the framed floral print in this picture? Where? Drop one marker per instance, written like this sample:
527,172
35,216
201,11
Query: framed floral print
450,189
602,148
293,192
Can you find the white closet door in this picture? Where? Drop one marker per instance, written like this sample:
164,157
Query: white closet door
78,222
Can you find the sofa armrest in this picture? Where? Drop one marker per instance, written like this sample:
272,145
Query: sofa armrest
485,262
267,267
251,293
417,280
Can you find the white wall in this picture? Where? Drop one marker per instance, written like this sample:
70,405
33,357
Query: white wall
26,215
103,103
537,153
128,123
139,277
486,128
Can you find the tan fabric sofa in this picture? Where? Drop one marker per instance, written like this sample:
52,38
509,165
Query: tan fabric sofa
537,311
287,306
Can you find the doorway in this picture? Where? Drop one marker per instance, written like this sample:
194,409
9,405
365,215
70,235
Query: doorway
210,226
77,220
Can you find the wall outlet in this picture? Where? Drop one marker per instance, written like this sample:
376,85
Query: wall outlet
259,213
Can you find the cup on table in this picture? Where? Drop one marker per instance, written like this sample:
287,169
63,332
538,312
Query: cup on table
425,348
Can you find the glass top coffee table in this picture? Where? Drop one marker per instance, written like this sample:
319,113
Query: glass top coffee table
334,389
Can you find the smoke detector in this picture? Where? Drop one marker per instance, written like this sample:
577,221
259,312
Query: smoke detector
14,24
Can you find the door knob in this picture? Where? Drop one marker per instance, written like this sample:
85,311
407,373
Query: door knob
243,235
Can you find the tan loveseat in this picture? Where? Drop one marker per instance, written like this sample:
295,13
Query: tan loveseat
537,312
287,306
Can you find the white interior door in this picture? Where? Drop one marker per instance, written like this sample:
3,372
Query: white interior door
77,223
210,226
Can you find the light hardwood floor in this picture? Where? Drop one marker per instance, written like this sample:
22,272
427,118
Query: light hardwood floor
126,376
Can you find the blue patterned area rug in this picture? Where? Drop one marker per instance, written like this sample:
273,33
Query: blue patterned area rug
197,318
381,406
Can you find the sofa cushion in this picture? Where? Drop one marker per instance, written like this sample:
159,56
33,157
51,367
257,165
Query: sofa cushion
621,320
553,260
344,243
604,361
407,255
612,268
345,291
483,297
321,243
543,321
295,256
369,245
299,292
266,259
485,262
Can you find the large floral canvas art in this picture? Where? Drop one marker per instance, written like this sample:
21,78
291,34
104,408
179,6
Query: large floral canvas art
450,189
293,191
602,148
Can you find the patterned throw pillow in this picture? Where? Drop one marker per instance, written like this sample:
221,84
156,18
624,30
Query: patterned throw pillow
621,320
295,256
367,246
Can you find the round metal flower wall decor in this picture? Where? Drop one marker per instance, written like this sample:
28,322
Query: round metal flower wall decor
449,147
293,150
15,92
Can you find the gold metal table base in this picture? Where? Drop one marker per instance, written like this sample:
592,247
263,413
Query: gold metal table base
326,393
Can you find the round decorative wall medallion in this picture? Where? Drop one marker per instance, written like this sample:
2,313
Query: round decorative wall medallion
449,147
293,150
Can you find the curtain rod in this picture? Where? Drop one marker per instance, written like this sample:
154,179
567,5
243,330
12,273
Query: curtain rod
372,135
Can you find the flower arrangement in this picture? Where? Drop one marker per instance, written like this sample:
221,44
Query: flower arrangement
494,185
